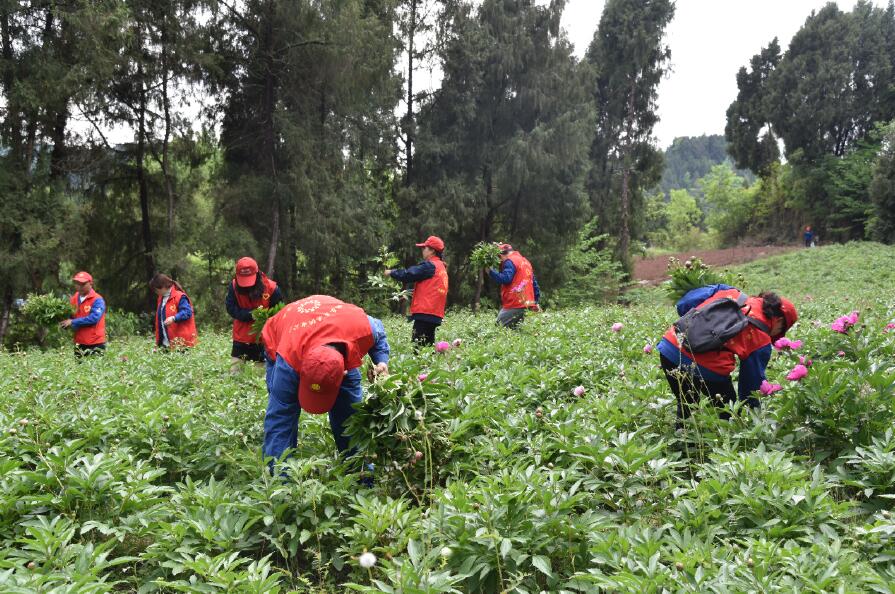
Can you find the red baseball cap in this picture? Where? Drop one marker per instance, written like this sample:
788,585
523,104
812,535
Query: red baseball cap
789,312
246,272
505,248
82,277
320,377
433,242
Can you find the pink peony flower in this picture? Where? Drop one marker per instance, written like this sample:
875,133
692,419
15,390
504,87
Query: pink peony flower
442,346
852,318
840,354
804,360
422,377
889,327
839,326
782,343
617,326
797,373
795,344
457,342
767,388
648,349
579,391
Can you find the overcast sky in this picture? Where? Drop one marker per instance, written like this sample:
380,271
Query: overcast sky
709,40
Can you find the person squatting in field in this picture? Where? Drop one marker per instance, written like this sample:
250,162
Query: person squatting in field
692,375
89,319
175,324
314,348
430,289
519,290
249,290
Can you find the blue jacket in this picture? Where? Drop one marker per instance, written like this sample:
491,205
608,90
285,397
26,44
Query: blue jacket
414,274
506,274
752,368
96,312
184,312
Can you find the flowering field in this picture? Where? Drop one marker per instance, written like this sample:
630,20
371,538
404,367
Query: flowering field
543,460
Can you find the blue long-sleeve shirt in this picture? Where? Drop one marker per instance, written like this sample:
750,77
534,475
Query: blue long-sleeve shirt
414,274
506,274
96,313
380,351
184,312
243,314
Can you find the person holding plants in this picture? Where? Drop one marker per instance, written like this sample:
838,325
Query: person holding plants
249,290
175,324
429,291
719,324
314,348
519,289
89,319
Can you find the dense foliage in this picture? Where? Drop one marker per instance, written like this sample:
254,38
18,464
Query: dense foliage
141,471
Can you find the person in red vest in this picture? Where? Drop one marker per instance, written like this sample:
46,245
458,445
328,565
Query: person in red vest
429,292
89,319
519,289
175,324
692,375
249,290
314,348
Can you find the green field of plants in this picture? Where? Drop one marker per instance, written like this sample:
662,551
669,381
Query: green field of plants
141,471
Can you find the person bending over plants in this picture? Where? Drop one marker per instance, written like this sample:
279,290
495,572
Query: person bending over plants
519,289
89,319
719,324
249,290
429,292
314,350
175,324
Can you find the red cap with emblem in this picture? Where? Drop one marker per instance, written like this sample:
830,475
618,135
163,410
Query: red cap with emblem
246,272
433,242
319,380
789,313
82,277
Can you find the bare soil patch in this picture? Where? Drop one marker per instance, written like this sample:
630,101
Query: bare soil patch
652,270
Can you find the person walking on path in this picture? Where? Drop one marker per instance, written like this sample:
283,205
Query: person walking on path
89,319
175,322
429,292
249,290
692,375
519,289
314,348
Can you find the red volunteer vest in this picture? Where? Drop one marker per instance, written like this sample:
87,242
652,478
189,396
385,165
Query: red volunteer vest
314,321
242,331
179,333
742,345
520,293
88,335
430,295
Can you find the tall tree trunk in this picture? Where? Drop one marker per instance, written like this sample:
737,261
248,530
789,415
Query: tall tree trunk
143,186
5,311
270,135
484,232
13,120
410,127
166,105
625,232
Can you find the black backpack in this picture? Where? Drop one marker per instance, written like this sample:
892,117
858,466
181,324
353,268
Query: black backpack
707,327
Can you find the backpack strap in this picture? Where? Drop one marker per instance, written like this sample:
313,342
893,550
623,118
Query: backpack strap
759,324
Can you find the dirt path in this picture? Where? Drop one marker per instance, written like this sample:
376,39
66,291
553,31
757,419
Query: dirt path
652,270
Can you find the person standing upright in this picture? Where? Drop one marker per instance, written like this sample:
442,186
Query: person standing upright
89,319
429,292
